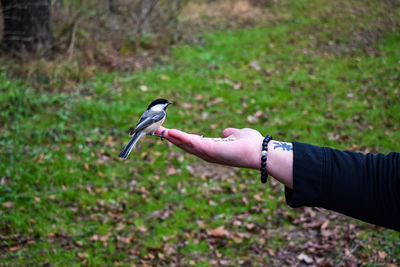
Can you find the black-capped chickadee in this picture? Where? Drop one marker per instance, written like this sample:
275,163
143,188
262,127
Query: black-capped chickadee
148,123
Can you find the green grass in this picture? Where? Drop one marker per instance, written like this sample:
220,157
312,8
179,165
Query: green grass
67,186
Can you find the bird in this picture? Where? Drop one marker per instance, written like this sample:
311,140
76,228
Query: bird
148,124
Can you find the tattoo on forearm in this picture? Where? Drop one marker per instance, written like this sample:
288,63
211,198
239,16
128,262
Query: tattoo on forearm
284,146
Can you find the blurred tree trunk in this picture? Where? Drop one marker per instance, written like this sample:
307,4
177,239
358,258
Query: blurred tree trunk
112,6
27,25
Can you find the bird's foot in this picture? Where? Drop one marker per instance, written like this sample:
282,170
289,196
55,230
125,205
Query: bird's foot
160,135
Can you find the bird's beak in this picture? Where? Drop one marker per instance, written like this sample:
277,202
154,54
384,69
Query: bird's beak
169,103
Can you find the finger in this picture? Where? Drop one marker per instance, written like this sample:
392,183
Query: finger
191,143
180,138
166,135
164,132
196,145
177,137
229,131
161,129
181,134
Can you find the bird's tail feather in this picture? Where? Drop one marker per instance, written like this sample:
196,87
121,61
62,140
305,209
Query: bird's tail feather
128,148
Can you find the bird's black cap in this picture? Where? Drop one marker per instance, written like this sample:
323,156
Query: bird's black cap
159,101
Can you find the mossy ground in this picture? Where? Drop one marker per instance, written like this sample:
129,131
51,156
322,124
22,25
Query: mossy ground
315,75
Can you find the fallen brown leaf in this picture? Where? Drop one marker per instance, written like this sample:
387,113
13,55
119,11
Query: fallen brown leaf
303,257
8,204
382,254
142,229
324,225
218,232
82,255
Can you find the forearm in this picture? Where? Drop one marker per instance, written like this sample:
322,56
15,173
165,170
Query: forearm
279,161
362,186
365,187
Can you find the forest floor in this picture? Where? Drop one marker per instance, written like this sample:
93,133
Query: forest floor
320,72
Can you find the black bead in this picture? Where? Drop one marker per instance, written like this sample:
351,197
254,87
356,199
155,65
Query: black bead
264,179
267,138
263,164
263,169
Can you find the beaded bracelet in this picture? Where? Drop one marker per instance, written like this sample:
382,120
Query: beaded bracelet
264,153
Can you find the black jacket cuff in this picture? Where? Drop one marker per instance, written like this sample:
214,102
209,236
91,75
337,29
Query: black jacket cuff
308,176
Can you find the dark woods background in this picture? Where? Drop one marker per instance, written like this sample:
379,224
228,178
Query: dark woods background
76,74
56,44
97,29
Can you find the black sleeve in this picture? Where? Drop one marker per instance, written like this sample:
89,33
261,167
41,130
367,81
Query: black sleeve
366,187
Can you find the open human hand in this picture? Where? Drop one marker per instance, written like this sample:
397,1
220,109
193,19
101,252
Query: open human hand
238,147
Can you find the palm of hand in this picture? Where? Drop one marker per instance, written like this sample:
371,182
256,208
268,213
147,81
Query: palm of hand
241,148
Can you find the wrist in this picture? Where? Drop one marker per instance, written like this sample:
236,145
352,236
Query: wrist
256,155
256,162
279,160
264,154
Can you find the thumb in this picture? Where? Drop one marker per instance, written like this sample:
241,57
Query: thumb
229,131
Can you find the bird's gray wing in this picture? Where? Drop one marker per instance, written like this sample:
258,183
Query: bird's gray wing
147,119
